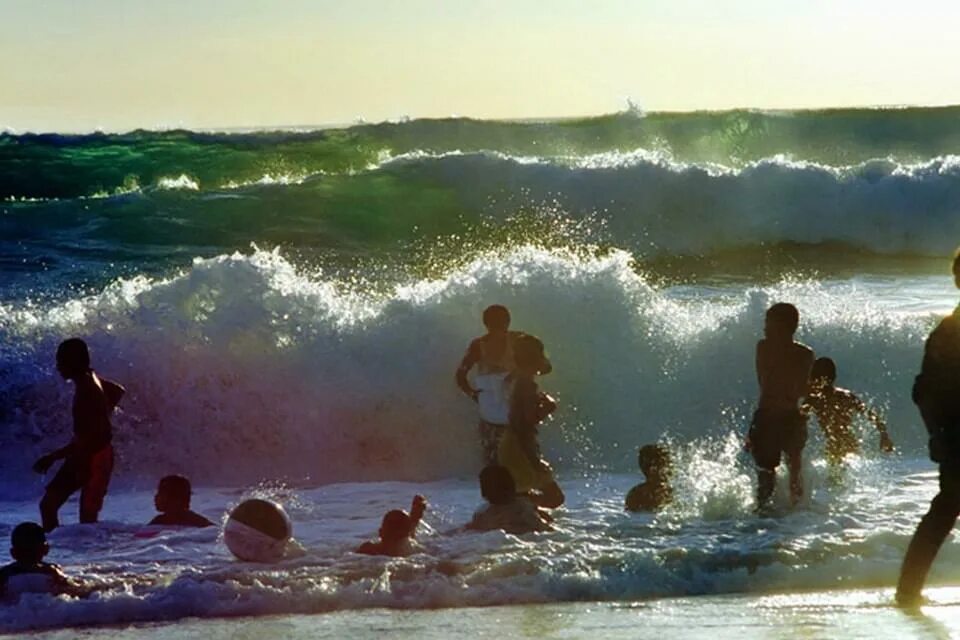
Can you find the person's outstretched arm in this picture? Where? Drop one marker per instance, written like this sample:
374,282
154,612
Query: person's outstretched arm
43,464
886,444
417,508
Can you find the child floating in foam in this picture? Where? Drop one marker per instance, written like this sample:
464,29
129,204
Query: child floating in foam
519,449
172,500
397,531
835,409
29,573
505,509
655,493
88,458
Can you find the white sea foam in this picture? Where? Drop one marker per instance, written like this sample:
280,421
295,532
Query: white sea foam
245,353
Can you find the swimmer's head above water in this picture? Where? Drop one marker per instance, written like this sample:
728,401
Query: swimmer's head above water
654,460
173,494
28,543
395,527
497,485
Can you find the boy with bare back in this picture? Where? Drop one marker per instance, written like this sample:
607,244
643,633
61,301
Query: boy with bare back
88,458
779,427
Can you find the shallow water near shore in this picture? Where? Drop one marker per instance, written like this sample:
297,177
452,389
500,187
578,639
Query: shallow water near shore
708,555
854,614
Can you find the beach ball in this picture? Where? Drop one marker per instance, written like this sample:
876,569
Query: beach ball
257,531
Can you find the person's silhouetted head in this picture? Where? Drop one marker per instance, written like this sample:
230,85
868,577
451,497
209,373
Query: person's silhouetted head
782,321
73,358
654,460
528,353
395,527
173,494
28,543
497,485
956,268
824,371
496,318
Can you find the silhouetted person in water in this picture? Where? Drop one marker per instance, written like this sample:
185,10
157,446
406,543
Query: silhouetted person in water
492,355
835,409
936,393
783,371
88,459
655,493
172,500
519,449
506,509
397,531
28,573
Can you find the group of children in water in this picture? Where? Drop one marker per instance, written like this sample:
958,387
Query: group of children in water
499,372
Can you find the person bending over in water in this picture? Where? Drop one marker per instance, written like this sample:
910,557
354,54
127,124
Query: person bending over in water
29,573
505,509
492,355
936,393
835,409
783,371
519,449
528,405
172,500
397,531
88,459
655,493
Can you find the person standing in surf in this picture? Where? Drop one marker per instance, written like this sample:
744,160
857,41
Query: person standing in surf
88,458
492,357
936,392
779,427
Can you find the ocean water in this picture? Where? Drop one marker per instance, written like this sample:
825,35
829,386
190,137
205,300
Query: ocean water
286,310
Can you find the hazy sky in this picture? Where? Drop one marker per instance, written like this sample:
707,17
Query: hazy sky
119,64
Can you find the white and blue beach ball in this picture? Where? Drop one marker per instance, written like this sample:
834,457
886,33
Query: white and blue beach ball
257,531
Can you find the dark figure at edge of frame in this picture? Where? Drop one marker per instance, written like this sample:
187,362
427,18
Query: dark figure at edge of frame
783,371
835,409
492,355
936,393
88,458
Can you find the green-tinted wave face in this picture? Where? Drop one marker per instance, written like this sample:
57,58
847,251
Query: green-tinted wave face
55,166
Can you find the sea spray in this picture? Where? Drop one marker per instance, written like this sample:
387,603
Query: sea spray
245,353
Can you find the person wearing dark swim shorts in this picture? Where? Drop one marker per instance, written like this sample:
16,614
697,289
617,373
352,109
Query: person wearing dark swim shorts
778,427
88,458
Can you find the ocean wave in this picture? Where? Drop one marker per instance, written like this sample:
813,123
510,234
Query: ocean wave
645,202
68,166
332,382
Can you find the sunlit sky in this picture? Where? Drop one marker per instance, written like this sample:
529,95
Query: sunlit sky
69,65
